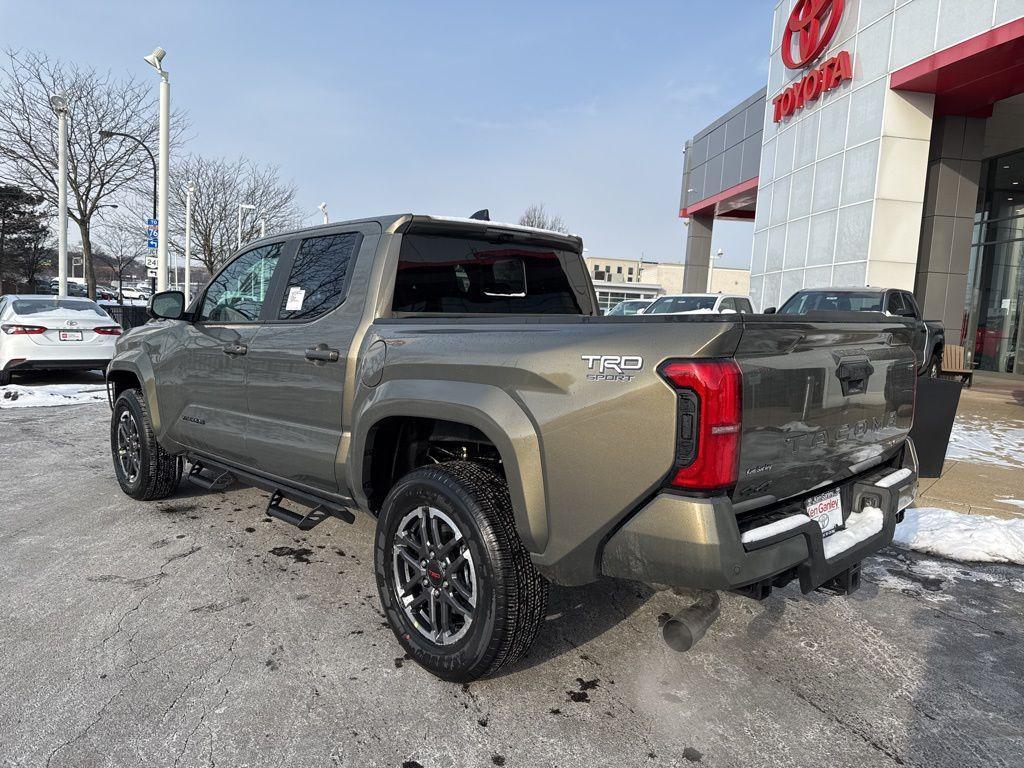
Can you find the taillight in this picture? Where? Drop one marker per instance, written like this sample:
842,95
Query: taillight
709,395
14,330
109,330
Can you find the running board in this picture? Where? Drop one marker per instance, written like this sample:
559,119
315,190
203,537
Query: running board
209,482
316,515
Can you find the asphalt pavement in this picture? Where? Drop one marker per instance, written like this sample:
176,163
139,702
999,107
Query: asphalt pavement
196,631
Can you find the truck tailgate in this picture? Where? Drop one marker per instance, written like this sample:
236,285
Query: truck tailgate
823,399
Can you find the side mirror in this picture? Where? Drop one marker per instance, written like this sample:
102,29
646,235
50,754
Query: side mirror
167,305
770,311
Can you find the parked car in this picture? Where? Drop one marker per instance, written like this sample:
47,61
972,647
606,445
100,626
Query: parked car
39,332
700,303
629,307
454,379
929,336
133,294
74,288
43,288
105,294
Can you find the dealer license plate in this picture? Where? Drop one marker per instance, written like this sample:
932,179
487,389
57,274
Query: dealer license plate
827,511
70,335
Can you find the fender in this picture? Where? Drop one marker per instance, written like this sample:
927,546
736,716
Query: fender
136,362
487,408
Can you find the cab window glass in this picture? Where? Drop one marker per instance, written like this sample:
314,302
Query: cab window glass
316,284
895,302
237,295
745,307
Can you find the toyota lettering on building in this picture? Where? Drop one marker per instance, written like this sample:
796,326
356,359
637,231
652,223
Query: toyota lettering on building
811,27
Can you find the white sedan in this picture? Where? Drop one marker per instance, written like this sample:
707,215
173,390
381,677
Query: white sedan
44,332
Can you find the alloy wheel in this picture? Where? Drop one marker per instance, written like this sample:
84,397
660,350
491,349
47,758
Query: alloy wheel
129,446
435,576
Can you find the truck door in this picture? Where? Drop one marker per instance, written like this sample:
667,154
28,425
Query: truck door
299,360
201,381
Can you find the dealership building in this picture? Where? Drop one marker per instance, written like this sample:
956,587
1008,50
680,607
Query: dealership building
886,150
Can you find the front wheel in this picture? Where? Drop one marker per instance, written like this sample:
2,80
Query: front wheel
934,368
457,585
144,470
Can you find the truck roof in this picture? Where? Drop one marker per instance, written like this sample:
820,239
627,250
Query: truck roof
400,222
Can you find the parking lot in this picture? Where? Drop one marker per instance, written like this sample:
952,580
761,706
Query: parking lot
196,631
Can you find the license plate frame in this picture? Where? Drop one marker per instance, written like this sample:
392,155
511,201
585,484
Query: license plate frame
69,335
826,509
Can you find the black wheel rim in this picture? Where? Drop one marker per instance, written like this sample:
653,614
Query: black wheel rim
435,575
129,446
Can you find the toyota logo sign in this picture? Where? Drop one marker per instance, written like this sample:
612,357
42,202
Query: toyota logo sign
813,24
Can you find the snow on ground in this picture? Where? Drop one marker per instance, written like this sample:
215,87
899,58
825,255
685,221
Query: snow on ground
1013,502
968,538
980,440
16,396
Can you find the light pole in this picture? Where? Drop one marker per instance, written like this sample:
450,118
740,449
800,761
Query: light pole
155,60
323,210
711,266
263,227
188,241
242,207
59,103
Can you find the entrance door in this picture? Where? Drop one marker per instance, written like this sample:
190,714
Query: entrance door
299,361
204,381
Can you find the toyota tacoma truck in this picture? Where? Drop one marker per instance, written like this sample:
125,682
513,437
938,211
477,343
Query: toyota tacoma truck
455,380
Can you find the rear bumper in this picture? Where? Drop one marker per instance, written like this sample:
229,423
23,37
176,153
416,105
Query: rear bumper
64,364
687,542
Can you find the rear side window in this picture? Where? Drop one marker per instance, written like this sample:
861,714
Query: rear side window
468,275
744,306
895,302
319,274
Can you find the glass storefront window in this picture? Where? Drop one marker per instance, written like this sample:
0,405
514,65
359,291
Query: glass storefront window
996,275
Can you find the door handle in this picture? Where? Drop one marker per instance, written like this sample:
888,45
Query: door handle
322,354
235,349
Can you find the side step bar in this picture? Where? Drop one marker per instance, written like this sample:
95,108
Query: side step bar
310,520
211,481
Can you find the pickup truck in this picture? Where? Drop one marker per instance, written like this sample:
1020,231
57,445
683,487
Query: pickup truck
455,380
929,336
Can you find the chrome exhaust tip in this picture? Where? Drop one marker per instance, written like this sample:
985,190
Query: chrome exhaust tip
684,630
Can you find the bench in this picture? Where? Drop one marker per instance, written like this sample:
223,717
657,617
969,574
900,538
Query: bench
953,365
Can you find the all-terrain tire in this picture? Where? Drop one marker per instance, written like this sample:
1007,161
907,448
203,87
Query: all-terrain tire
5,378
158,472
511,594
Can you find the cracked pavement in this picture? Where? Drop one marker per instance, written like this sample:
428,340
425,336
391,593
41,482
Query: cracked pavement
195,631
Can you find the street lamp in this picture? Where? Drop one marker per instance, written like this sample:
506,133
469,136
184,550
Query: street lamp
59,104
155,60
323,210
711,266
242,207
188,241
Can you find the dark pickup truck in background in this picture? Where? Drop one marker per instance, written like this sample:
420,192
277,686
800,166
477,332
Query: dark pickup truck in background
455,380
929,336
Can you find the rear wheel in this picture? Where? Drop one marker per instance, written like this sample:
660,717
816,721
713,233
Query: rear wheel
5,378
144,470
457,585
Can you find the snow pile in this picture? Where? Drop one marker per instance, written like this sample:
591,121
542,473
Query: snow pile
16,396
970,538
983,441
859,528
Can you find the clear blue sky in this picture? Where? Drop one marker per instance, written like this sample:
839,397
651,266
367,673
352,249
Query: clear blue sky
445,107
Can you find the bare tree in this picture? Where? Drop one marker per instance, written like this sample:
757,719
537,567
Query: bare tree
219,186
98,169
536,216
122,241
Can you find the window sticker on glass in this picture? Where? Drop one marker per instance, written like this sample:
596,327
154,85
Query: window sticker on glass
296,296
